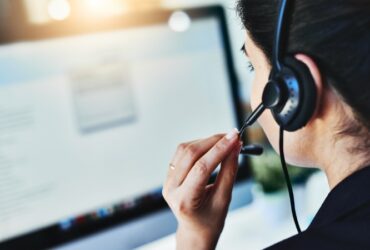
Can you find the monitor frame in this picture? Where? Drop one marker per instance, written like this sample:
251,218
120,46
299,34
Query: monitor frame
52,236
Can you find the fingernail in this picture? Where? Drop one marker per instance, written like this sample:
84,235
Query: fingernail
233,133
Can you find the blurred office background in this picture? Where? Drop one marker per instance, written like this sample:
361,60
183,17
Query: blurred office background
260,212
46,11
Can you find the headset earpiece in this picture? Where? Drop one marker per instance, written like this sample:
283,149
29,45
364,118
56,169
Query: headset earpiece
297,95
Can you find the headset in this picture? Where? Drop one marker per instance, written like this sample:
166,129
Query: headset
290,94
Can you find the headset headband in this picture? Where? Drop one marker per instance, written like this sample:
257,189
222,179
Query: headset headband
280,32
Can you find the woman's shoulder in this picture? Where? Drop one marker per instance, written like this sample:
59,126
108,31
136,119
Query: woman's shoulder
342,222
349,233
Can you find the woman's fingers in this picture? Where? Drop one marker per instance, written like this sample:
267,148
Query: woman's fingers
192,154
199,175
226,177
186,155
187,191
180,150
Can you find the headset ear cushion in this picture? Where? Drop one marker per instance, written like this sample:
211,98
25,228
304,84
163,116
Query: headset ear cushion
307,103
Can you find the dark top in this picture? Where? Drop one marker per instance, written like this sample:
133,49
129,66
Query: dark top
342,222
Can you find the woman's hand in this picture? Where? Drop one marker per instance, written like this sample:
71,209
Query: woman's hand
199,207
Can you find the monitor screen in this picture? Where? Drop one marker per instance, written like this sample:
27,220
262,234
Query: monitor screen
89,122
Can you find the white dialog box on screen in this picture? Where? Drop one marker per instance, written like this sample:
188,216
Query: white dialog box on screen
103,96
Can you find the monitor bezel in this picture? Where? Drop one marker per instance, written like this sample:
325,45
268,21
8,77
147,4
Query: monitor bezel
52,236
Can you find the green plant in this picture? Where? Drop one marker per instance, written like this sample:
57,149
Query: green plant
268,173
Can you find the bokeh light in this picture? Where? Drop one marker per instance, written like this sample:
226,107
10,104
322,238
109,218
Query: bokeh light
179,21
59,9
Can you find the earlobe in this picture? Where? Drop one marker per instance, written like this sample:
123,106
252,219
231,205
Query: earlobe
317,77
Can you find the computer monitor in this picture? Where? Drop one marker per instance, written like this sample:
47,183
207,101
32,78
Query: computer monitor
90,115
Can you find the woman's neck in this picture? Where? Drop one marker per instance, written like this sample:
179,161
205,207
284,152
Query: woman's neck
337,173
335,150
340,162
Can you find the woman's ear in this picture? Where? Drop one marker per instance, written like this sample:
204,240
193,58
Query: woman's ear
317,77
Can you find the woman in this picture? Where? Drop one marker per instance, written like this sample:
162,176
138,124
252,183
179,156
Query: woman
332,38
